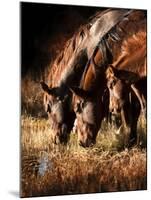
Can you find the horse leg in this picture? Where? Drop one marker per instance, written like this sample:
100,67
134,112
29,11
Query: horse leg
140,97
135,112
133,115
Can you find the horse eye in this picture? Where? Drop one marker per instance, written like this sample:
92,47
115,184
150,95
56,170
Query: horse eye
82,104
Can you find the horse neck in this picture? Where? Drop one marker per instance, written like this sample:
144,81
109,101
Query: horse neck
126,33
94,75
69,73
89,40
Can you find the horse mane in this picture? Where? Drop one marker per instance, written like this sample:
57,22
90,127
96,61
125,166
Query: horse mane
129,33
134,43
133,56
129,30
63,58
62,63
97,15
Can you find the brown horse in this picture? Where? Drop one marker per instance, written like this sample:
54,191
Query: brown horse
139,87
68,68
136,46
119,47
124,105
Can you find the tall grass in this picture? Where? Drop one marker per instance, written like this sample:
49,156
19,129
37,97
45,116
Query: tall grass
47,169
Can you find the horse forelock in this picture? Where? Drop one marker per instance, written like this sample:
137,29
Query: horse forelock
121,34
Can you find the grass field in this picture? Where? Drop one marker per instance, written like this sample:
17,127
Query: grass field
47,169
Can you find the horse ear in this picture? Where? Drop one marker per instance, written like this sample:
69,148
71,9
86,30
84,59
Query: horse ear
79,92
50,91
110,72
121,74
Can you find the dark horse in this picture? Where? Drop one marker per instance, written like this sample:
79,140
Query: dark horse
68,68
124,46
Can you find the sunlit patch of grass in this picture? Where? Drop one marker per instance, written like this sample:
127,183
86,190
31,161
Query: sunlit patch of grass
35,133
48,169
110,139
142,131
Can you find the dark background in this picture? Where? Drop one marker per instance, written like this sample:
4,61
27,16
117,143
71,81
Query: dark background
44,30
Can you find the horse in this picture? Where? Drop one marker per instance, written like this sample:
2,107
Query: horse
123,47
139,87
68,68
125,106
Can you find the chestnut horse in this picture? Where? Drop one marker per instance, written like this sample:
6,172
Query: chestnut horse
124,46
68,68
125,106
130,47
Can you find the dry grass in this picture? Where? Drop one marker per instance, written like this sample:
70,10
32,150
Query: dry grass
32,98
47,169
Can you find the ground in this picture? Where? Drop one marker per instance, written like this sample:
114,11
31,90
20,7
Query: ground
48,169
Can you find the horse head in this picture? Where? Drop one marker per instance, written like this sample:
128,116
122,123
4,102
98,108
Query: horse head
56,102
88,109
